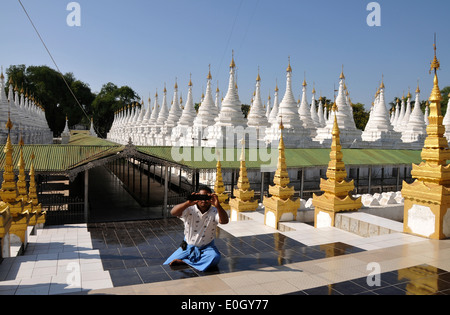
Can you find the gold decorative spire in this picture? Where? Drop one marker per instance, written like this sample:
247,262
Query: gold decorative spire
8,190
244,200
342,76
209,77
431,189
282,205
258,78
289,68
21,183
233,64
219,187
190,80
32,194
337,192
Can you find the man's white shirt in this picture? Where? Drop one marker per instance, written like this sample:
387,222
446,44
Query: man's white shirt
200,229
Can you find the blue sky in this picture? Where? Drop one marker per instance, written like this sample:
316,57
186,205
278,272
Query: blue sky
145,44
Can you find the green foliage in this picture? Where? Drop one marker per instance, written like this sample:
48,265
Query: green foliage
48,88
360,115
245,110
111,99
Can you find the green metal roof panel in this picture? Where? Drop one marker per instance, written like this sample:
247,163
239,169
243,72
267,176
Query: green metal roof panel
205,158
58,158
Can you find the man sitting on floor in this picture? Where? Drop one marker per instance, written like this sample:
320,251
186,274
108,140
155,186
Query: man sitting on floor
200,218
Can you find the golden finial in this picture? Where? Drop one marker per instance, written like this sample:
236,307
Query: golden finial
165,90
281,123
336,132
190,80
258,78
342,76
289,68
2,77
176,84
418,89
334,108
435,65
276,86
233,64
382,82
9,124
209,77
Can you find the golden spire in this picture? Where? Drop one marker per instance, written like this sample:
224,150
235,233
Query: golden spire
8,190
342,76
21,183
219,187
233,64
32,191
382,82
418,89
289,68
209,77
243,182
281,177
336,168
190,80
436,151
258,78
281,203
244,200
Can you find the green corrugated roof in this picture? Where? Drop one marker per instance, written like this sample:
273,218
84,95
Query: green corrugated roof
205,158
58,158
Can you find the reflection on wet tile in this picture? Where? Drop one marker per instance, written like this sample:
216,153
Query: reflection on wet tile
137,250
416,280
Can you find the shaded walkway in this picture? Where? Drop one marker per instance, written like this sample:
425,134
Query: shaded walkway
109,201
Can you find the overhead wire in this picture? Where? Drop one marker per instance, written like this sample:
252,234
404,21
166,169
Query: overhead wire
54,62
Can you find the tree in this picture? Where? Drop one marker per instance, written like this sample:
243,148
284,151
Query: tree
49,89
360,115
110,99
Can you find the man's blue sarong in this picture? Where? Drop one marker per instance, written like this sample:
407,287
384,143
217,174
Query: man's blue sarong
200,258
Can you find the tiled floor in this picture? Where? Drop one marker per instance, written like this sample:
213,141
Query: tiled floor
126,258
57,260
133,253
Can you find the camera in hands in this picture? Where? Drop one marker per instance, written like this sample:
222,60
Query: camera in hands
199,198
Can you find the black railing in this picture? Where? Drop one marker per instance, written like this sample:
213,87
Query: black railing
63,210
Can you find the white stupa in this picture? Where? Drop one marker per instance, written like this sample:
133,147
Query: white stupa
305,112
182,133
379,131
206,117
163,115
350,135
313,111
446,121
231,122
173,118
257,119
295,135
274,112
415,132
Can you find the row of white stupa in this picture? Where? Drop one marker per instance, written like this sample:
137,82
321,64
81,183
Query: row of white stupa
29,121
306,126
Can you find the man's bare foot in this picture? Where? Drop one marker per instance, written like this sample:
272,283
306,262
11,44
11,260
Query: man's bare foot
177,262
